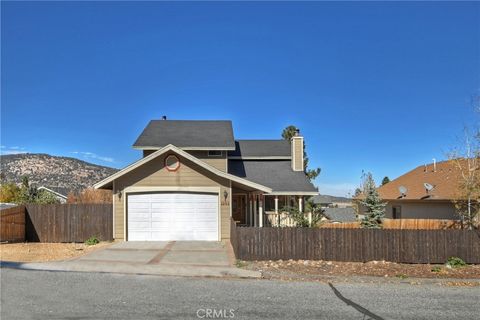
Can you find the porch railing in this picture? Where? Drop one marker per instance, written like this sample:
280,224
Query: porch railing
281,219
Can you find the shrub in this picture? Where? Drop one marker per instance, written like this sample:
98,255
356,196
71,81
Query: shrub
93,240
240,264
402,276
301,218
437,269
455,262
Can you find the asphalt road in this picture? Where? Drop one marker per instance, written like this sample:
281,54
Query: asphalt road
69,295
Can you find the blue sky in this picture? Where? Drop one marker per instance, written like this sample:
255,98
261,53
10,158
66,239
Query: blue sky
376,86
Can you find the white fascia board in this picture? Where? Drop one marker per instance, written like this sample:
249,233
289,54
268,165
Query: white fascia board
187,148
294,193
260,158
188,156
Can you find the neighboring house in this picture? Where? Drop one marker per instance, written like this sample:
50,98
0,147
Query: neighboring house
325,201
61,194
194,177
426,192
340,214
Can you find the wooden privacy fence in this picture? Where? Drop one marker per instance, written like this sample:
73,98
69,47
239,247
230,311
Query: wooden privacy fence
414,224
12,224
355,245
68,222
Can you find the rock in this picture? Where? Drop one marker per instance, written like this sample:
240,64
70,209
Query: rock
329,263
306,263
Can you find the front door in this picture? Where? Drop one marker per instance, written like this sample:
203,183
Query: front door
239,205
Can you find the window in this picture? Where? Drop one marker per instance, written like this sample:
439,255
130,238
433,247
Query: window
172,163
397,212
214,153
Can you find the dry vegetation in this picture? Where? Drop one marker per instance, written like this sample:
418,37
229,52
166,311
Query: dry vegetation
91,195
42,252
311,270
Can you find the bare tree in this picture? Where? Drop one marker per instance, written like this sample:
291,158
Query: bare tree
466,159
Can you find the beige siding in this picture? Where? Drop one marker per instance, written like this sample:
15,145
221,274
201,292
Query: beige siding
217,162
297,153
420,210
154,174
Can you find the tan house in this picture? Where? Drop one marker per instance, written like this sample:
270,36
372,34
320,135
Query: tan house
194,177
426,192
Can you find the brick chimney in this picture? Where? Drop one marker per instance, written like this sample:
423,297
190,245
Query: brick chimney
297,151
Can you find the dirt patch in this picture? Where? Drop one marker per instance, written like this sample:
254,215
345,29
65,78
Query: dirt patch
311,270
41,252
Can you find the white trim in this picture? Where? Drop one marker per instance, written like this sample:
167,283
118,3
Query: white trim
185,148
54,192
293,193
255,218
260,158
124,195
188,156
230,201
219,224
260,211
133,190
113,204
250,212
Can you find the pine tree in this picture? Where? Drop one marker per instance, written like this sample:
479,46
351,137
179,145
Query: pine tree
373,204
385,180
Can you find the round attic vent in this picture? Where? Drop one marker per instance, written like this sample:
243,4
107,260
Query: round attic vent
172,163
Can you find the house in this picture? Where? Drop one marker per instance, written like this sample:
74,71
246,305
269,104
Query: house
426,192
194,178
346,214
60,193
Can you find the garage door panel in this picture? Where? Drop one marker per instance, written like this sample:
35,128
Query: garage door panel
172,216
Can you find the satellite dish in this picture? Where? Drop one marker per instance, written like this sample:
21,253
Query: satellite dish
403,190
428,186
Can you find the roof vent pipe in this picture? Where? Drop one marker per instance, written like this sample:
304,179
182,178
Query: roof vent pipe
434,165
164,117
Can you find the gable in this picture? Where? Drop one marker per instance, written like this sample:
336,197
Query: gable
154,173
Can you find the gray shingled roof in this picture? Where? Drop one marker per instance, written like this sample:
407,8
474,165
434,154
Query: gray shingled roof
340,214
261,148
275,174
60,190
187,134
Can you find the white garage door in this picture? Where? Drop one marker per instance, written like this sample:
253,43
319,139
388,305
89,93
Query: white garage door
172,216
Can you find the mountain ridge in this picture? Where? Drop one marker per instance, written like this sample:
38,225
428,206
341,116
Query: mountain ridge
52,171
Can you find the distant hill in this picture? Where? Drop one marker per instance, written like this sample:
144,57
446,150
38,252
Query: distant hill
331,199
52,171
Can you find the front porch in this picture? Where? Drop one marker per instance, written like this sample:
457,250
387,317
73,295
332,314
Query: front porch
255,209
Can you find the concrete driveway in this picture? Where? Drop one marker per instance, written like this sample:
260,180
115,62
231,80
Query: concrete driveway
183,258
188,253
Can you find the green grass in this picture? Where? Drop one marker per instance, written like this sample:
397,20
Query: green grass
93,240
455,262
